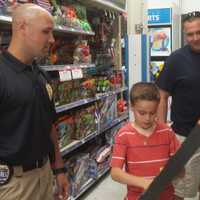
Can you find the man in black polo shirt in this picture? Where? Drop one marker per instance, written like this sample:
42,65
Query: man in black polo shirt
180,79
27,112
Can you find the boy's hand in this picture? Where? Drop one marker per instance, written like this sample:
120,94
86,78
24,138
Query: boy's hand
147,183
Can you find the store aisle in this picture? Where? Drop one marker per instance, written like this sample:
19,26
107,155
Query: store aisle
106,189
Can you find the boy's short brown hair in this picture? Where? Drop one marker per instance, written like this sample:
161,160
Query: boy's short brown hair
144,91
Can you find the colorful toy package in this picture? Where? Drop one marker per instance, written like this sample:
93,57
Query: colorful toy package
88,88
117,79
78,167
121,107
107,110
86,123
62,92
103,84
65,126
82,52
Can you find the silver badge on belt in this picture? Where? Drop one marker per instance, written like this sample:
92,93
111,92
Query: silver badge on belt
5,173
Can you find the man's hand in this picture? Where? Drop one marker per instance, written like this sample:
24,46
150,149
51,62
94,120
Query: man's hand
63,186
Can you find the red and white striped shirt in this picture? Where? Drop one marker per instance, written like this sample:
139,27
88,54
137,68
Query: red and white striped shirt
144,156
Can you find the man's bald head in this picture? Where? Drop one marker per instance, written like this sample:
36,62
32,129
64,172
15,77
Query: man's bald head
28,12
32,32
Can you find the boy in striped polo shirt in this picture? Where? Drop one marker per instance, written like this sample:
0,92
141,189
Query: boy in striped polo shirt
144,146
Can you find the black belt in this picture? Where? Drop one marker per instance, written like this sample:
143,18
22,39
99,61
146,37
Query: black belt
36,164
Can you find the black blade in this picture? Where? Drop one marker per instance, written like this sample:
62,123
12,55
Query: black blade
174,166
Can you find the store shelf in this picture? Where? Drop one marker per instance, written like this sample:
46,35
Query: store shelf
104,95
114,123
61,29
63,67
65,29
88,184
88,100
77,143
91,182
74,104
5,19
104,5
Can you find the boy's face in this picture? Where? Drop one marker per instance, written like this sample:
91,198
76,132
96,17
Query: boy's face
145,113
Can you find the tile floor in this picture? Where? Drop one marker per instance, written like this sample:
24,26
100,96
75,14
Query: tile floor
107,189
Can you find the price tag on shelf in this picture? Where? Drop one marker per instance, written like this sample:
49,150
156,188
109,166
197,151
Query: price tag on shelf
77,73
65,75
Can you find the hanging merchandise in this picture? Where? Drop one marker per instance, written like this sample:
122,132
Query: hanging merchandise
82,52
46,4
82,16
7,6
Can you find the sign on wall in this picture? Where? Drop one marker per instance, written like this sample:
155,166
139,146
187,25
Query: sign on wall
159,16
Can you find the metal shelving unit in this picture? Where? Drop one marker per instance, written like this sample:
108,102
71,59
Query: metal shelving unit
88,100
64,29
89,183
104,5
63,67
77,143
59,29
5,19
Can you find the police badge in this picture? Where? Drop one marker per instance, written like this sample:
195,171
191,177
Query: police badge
6,173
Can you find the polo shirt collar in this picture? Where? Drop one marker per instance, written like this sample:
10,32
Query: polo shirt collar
16,64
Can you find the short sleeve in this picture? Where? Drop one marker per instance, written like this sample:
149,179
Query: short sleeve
174,143
119,150
168,75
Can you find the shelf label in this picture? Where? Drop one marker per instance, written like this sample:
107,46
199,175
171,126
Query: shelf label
65,75
77,73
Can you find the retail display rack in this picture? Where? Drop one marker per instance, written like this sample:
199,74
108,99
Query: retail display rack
87,69
163,26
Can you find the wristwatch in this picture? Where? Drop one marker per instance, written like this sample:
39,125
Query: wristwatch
59,170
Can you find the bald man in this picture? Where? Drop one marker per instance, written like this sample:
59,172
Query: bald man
28,139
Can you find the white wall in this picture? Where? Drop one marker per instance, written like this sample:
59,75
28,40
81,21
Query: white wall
136,14
164,3
184,5
190,5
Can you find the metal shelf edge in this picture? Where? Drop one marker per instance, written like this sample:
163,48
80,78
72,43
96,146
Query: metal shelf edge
110,5
63,67
114,123
74,104
86,101
89,183
72,30
8,19
79,143
5,19
69,148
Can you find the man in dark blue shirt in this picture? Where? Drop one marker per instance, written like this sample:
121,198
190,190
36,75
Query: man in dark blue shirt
28,136
180,79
